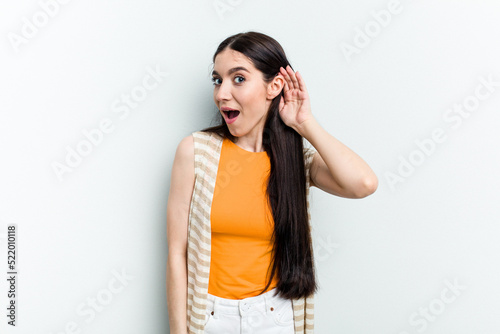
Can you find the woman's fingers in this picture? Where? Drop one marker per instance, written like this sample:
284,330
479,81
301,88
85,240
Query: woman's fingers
293,80
286,85
288,78
295,83
302,84
288,82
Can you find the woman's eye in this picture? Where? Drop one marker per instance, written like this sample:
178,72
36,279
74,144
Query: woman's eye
238,79
214,81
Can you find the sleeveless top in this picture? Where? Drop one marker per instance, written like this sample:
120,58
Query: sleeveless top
242,225
207,150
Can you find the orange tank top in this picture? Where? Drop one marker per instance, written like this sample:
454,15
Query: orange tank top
242,225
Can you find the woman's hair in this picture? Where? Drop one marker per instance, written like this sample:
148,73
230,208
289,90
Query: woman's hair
292,257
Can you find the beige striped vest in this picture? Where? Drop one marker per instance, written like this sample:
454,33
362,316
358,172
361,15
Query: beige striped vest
207,148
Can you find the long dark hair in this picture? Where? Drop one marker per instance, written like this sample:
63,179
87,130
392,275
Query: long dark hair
292,258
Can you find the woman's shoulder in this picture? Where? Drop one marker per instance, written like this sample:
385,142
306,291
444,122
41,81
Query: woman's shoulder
185,149
206,135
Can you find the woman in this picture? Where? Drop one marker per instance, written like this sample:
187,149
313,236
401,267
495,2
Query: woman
240,251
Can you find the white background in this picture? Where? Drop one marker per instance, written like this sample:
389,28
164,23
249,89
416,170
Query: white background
383,262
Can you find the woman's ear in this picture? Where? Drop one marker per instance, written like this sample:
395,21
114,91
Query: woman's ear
274,87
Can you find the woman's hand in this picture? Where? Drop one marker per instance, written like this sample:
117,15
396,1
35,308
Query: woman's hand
295,108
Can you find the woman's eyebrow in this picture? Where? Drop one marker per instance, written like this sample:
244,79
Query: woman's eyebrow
234,69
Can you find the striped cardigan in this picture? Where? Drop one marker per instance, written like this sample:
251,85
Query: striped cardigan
207,148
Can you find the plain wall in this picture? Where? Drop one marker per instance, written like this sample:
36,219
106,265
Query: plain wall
404,84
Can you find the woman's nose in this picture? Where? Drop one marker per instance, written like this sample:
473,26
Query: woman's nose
223,92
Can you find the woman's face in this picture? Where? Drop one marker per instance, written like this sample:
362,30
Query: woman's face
240,86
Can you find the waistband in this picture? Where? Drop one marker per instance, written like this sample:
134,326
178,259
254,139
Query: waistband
264,303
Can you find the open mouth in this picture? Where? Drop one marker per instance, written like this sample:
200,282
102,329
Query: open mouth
231,113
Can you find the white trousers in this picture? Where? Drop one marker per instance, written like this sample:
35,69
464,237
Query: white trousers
262,314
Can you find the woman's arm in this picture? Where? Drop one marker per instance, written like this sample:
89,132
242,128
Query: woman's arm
179,201
335,168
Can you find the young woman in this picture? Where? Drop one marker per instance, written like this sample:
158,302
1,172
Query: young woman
240,251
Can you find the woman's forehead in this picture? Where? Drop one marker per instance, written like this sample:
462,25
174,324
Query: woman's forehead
228,59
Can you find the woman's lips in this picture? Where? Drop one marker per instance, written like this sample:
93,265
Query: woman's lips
233,113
